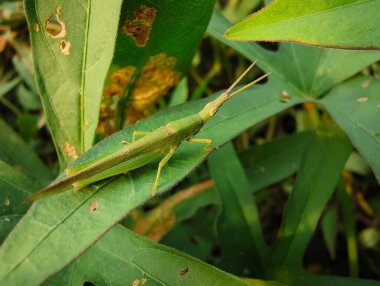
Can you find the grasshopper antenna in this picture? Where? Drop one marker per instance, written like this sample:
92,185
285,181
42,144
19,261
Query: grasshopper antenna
212,107
248,85
240,77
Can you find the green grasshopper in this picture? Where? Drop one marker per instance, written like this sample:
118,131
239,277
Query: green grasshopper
138,153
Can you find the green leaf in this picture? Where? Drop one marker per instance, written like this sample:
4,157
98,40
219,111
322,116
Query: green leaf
245,250
355,106
136,258
322,164
72,227
72,47
338,23
356,164
14,188
27,125
12,13
274,161
329,227
350,229
27,98
155,46
180,93
22,62
15,152
329,280
197,235
6,86
310,71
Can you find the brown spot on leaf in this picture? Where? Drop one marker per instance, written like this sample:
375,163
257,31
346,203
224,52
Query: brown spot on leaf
140,26
362,99
36,27
54,26
7,202
112,96
184,271
70,150
93,206
285,97
157,78
139,282
64,46
366,83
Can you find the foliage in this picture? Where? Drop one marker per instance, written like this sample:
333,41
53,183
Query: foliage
310,129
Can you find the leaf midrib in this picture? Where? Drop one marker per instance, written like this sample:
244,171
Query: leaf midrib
83,79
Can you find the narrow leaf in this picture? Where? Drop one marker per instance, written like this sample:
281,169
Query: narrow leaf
329,280
72,45
329,227
14,188
245,250
323,161
15,152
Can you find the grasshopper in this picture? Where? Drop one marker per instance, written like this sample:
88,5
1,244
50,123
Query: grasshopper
140,152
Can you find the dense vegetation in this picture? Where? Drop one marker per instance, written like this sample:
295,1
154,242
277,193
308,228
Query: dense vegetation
288,196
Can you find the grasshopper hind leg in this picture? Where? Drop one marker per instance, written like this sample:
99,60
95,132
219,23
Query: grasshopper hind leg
160,166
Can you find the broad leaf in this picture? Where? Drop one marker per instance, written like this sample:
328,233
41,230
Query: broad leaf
355,106
72,45
245,250
75,220
154,48
311,71
124,258
337,23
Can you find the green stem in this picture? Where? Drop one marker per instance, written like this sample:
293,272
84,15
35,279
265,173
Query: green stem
349,226
10,106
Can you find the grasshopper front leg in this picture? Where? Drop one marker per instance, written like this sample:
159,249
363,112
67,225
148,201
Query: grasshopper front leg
207,142
138,133
160,166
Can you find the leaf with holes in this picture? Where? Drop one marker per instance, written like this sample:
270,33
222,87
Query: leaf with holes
72,45
154,49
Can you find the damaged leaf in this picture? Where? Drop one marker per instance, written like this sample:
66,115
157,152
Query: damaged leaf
71,57
154,52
